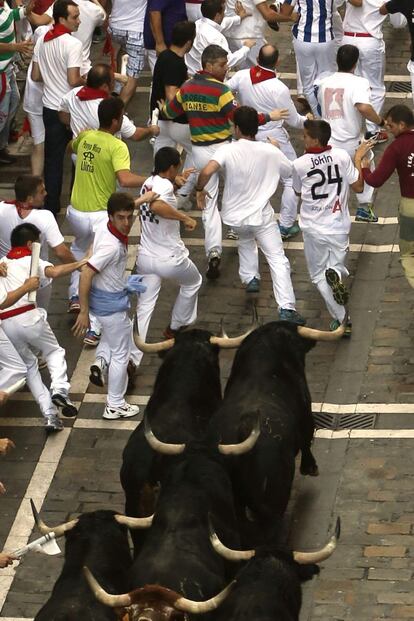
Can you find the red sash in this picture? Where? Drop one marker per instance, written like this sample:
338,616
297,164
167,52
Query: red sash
18,252
57,31
259,74
87,93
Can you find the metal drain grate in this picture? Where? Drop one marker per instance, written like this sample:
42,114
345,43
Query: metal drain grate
324,420
400,87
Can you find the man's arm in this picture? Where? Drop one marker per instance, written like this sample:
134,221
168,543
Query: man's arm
85,284
163,209
64,254
58,271
36,75
127,179
368,112
155,18
205,175
383,9
30,284
64,117
74,77
172,109
275,16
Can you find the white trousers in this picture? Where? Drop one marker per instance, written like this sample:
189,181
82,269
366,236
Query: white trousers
289,202
371,65
267,238
366,196
193,11
184,273
314,59
39,337
83,225
210,215
174,134
12,367
115,348
324,252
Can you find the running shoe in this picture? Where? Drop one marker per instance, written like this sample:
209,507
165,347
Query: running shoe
379,136
61,400
213,269
74,304
366,214
253,286
286,232
53,423
287,314
92,338
340,292
232,235
98,371
124,411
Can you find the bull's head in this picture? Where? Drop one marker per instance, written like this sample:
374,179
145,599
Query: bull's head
225,449
153,602
303,558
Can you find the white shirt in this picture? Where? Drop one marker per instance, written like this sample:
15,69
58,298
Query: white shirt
251,27
315,21
33,92
265,97
54,58
208,32
18,270
91,16
128,15
365,18
108,260
84,114
338,94
323,179
252,171
160,237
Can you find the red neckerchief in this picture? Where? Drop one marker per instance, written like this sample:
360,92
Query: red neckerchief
319,149
57,31
87,93
20,207
122,238
18,252
260,74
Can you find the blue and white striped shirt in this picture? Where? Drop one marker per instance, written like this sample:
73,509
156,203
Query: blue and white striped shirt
315,21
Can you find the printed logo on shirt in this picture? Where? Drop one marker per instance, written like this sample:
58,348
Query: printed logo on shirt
88,156
146,214
410,163
334,103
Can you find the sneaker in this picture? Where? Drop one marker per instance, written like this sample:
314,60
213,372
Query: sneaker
61,400
213,269
6,158
98,371
91,338
334,325
125,411
366,214
74,304
287,314
286,232
379,136
53,423
253,286
232,235
184,202
340,292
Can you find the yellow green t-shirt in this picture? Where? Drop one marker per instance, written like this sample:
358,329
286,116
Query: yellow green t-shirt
99,157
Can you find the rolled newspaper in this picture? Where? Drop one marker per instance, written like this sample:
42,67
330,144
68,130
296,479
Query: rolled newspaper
154,121
34,268
46,544
15,387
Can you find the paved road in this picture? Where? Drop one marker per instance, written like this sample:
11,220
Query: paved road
366,472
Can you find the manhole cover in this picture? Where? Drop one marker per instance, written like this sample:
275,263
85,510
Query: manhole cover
324,420
400,87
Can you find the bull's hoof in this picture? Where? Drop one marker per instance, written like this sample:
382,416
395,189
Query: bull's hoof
311,471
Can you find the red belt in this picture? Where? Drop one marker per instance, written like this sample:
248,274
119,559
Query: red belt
17,311
357,34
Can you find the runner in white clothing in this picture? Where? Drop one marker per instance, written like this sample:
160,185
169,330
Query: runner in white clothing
252,171
260,88
161,252
322,178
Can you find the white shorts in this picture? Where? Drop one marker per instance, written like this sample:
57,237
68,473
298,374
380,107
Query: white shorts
37,127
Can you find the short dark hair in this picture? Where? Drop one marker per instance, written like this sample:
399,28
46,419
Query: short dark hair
319,130
210,8
26,185
247,120
347,57
61,9
182,33
110,109
99,74
23,233
211,54
164,158
401,114
120,201
268,56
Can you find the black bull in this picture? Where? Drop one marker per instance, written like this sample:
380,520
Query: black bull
268,378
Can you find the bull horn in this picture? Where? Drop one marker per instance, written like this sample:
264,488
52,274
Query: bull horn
135,522
188,605
311,558
161,447
44,529
150,348
226,342
323,335
228,553
242,447
114,601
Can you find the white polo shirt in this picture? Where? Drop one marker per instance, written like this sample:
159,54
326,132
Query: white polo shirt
252,172
364,19
54,58
108,260
128,15
91,16
33,92
84,114
160,237
251,27
338,95
323,180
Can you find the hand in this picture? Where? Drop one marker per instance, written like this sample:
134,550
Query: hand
365,162
25,47
121,78
180,180
2,488
189,223
81,324
3,397
6,559
310,116
29,7
32,283
160,47
160,103
273,141
154,129
201,199
279,114
240,10
6,445
3,270
249,43
148,197
294,17
363,149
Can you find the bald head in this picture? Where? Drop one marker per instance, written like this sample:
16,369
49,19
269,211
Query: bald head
100,75
268,56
